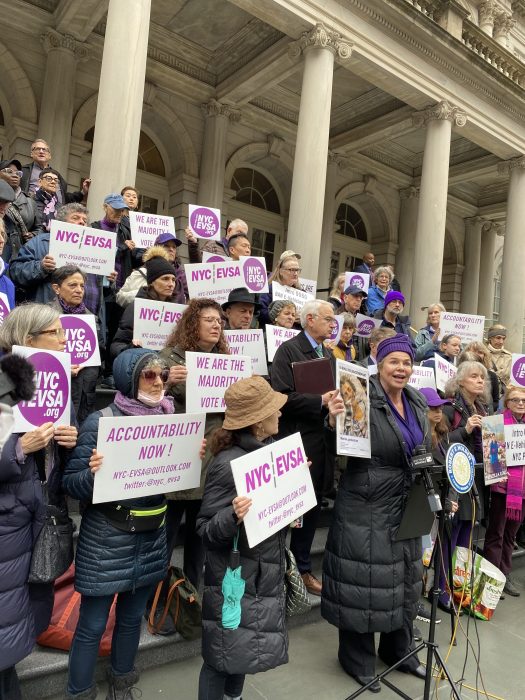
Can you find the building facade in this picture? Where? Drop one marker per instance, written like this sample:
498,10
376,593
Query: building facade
331,126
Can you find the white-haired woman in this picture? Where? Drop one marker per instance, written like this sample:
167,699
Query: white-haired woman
427,339
336,293
375,300
286,273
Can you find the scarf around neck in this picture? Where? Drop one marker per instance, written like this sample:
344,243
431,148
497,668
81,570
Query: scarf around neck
68,309
134,407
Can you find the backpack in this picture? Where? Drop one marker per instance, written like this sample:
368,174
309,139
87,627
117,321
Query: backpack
181,608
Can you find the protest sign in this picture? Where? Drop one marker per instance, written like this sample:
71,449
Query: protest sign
249,342
146,228
52,400
515,444
275,336
5,308
365,325
353,426
467,326
335,335
217,279
209,375
91,249
299,298
422,377
372,369
493,439
517,370
309,286
146,455
205,222
277,479
81,339
213,257
153,321
357,279
444,371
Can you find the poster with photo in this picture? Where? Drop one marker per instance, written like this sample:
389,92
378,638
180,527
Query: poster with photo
353,426
494,458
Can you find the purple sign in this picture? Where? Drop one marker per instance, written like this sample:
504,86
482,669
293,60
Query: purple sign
216,258
255,275
366,327
356,281
52,393
81,341
518,371
4,308
205,222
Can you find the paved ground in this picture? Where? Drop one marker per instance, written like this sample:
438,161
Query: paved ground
314,673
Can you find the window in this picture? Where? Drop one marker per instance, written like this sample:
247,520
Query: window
148,205
263,245
254,189
350,223
148,159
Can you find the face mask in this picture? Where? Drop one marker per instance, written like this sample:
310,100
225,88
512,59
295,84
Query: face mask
147,400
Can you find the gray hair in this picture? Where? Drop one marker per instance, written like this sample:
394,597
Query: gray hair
236,224
334,292
438,305
348,320
25,321
72,208
312,307
384,270
453,386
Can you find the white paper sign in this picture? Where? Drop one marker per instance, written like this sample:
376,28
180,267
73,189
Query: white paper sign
212,257
517,370
299,298
275,336
309,286
357,279
146,455
52,399
216,280
365,325
515,444
5,308
277,479
205,222
353,426
146,228
209,375
336,330
91,249
422,377
81,339
444,371
467,326
153,321
249,342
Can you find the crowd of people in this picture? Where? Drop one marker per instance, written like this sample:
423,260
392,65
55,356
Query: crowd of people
371,582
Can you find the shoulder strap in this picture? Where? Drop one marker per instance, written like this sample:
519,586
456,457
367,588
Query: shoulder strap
106,412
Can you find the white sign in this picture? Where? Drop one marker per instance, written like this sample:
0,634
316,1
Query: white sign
81,339
5,307
357,279
299,298
467,326
153,321
444,371
205,222
372,369
146,228
249,342
51,402
212,257
146,455
422,377
309,286
515,444
277,479
364,325
216,280
90,249
275,336
335,336
353,426
209,375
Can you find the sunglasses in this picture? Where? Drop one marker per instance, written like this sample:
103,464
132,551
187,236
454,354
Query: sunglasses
151,376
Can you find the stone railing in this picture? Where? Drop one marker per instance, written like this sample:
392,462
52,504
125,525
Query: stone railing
492,52
430,8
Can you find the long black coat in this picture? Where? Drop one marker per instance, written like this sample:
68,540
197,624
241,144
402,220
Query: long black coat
371,583
261,640
303,413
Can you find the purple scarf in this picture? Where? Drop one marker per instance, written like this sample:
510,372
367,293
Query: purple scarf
347,349
515,486
68,309
409,427
134,407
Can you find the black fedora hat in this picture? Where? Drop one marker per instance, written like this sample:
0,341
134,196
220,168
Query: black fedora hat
240,296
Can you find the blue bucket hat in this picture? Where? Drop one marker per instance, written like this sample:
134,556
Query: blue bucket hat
116,201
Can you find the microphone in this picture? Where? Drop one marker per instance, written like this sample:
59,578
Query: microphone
17,380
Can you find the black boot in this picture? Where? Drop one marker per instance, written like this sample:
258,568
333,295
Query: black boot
123,687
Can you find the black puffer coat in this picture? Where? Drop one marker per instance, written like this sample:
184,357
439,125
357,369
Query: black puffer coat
261,640
371,583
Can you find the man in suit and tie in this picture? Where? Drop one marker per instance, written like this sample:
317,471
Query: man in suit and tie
366,267
305,413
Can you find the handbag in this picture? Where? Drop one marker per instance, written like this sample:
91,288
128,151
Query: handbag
182,604
53,550
297,597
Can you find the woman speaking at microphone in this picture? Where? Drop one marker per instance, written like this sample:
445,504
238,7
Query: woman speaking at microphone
371,581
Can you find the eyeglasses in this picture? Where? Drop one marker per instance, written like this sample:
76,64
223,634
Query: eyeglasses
294,270
12,172
522,401
213,321
49,178
151,376
58,332
40,148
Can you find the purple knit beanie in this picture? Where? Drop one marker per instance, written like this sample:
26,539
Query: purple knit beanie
397,343
392,295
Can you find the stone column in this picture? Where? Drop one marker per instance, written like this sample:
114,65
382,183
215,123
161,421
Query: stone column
311,148
119,108
512,303
472,257
432,211
406,237
489,231
329,212
58,94
503,23
487,12
213,159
